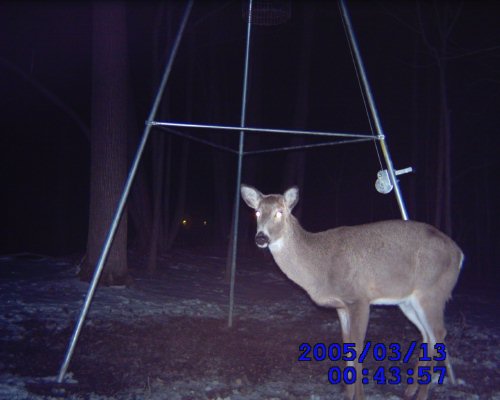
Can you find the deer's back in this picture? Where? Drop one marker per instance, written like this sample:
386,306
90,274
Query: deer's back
402,255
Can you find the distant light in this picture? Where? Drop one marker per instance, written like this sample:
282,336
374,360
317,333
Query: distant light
184,222
205,223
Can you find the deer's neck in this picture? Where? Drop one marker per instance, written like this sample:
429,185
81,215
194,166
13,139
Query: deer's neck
292,254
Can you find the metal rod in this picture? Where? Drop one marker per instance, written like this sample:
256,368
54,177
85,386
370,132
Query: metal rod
272,150
306,146
373,108
240,164
121,203
268,130
196,139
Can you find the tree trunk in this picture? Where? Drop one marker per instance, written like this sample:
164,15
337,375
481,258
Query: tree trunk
158,167
446,150
163,18
444,17
173,224
443,189
139,202
167,185
296,161
218,111
108,140
416,132
180,204
139,207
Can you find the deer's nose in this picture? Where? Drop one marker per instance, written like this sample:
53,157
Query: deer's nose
261,239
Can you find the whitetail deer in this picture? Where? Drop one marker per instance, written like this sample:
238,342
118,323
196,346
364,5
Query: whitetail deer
404,263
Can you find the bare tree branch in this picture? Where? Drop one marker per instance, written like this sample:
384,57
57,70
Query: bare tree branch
454,20
49,94
473,52
423,31
406,24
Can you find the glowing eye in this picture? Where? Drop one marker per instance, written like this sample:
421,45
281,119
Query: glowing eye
279,214
257,214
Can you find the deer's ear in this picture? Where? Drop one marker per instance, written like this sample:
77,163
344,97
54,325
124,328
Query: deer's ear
251,196
291,197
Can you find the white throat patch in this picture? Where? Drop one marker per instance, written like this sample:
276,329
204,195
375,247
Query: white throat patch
277,245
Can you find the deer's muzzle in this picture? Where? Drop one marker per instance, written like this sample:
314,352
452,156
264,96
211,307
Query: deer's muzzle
261,239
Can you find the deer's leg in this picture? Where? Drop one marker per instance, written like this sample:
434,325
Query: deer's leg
345,326
435,316
449,368
354,321
429,313
412,315
433,311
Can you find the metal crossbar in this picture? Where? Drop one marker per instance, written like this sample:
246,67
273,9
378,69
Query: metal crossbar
199,140
356,139
263,130
307,146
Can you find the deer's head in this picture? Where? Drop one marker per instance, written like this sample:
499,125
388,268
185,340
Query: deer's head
272,212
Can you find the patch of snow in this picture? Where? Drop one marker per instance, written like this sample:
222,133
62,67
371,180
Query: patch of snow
34,287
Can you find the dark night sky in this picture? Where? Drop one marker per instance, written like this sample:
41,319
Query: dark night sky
45,155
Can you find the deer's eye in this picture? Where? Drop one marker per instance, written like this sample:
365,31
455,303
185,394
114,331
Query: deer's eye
278,214
257,214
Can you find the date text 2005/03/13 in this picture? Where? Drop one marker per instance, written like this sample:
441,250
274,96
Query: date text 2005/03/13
381,375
